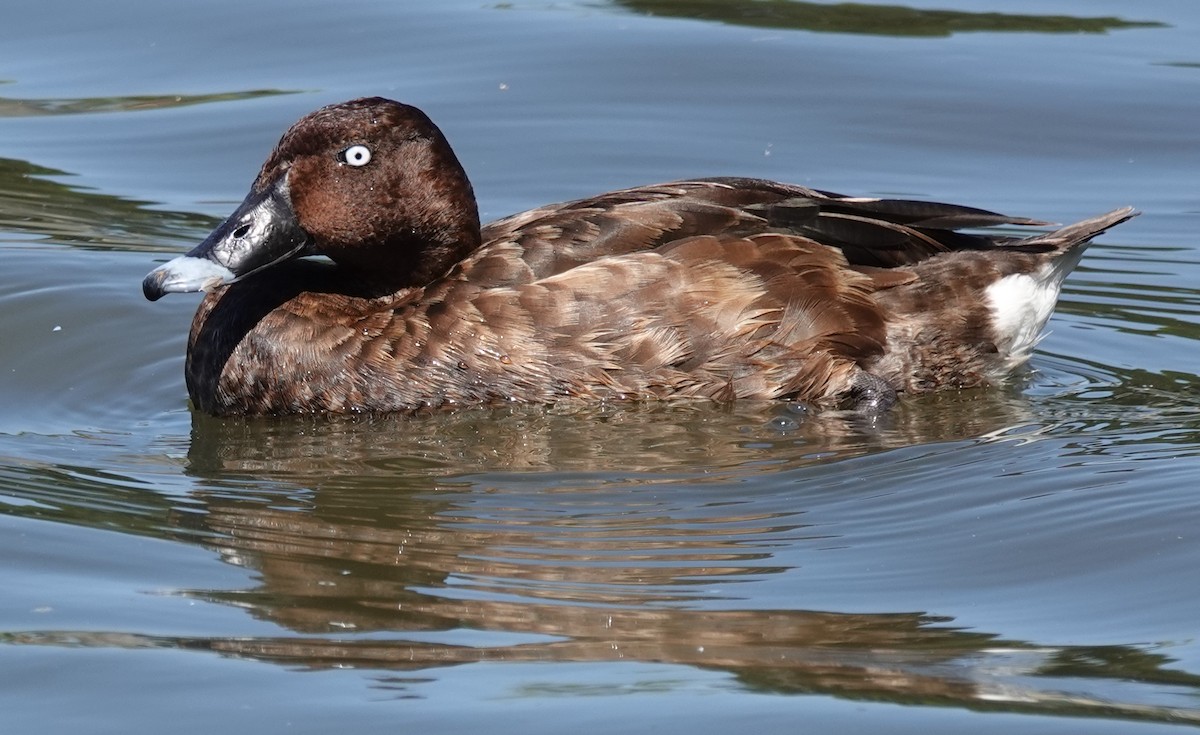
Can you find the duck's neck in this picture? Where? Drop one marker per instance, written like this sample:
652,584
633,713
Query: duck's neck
408,259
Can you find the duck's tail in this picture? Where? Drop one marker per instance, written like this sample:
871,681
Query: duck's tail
1022,303
1081,233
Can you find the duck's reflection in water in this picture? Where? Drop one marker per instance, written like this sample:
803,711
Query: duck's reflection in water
592,536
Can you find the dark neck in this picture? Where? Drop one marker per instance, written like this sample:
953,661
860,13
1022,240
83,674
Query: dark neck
409,258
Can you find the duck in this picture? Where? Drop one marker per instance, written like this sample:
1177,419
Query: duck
355,277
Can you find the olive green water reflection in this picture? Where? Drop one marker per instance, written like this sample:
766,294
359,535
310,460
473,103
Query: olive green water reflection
886,20
36,202
13,107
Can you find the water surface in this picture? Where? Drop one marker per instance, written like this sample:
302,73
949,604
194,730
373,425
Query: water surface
1016,559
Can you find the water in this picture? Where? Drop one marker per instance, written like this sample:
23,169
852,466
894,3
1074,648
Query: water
1016,559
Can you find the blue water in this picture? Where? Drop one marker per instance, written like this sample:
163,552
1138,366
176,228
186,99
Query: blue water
1016,559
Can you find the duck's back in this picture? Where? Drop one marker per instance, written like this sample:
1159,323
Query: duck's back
877,232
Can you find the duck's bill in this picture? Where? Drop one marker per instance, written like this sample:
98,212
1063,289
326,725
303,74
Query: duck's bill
262,231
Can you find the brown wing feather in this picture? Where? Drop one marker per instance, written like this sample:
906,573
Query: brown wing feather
869,232
763,317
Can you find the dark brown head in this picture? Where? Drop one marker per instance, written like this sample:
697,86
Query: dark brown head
371,183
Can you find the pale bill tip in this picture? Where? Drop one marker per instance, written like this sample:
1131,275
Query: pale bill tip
187,274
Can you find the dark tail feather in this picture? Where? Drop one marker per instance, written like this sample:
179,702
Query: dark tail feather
1081,233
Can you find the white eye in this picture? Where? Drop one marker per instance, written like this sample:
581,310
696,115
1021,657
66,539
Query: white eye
356,155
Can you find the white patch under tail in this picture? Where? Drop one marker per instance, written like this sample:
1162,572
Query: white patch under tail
1022,303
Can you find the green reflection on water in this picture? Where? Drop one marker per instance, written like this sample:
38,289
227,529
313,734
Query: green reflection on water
36,207
885,20
10,107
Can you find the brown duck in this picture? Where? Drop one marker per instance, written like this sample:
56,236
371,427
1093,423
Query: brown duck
717,288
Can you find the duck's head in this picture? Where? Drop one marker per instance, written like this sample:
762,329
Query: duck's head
370,183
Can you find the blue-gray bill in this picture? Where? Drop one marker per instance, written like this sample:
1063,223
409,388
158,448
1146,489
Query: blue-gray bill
261,232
